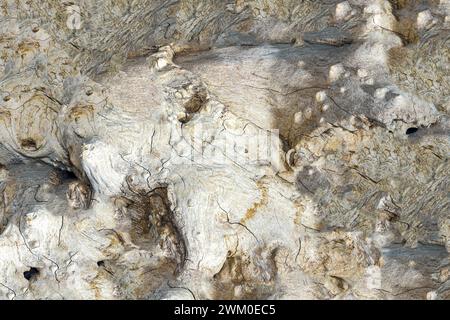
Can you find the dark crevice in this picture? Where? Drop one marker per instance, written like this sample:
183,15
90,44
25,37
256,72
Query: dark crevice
411,130
31,274
68,175
28,144
153,222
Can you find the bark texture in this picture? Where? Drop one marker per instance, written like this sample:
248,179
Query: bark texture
210,149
